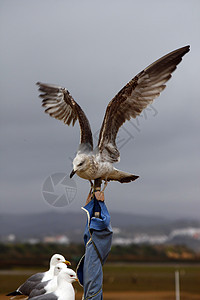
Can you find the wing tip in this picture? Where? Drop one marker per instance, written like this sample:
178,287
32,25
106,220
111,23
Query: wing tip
187,48
183,50
15,293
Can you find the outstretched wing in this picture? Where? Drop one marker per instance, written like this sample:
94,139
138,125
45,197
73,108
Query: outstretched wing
133,98
60,105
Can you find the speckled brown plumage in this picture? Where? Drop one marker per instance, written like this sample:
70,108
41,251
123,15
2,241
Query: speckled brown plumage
130,101
135,96
60,105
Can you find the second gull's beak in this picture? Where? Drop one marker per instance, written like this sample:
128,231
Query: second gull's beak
72,173
67,263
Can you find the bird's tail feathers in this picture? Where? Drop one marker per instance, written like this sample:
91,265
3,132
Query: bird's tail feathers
121,176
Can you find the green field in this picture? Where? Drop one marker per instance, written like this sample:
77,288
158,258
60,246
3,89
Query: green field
125,277
151,278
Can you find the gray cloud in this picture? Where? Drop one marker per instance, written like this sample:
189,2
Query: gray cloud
93,49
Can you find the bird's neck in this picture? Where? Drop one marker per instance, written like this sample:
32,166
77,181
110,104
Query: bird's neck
53,283
51,271
65,291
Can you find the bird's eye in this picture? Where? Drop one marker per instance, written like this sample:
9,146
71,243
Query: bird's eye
58,258
81,163
71,275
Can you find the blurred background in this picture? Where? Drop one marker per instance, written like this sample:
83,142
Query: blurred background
93,48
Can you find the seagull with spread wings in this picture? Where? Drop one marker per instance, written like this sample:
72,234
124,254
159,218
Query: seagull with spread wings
131,100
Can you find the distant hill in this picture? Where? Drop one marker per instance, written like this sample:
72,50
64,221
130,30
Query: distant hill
72,224
39,225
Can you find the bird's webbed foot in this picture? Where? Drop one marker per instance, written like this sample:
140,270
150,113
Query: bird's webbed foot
99,195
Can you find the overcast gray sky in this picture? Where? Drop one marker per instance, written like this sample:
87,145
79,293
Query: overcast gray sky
93,48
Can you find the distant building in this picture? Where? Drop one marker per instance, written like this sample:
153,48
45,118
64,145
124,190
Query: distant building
58,239
144,238
190,231
11,238
33,241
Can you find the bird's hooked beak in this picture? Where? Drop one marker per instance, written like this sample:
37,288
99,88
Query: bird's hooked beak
72,173
67,263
